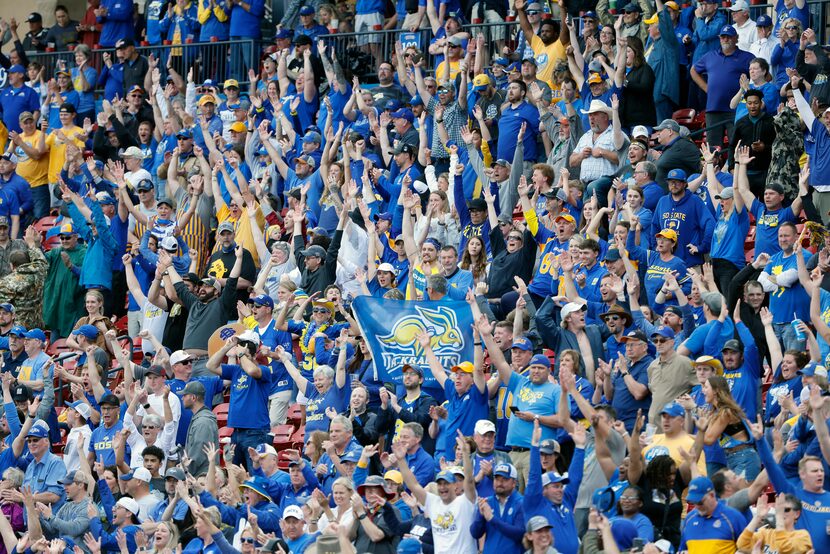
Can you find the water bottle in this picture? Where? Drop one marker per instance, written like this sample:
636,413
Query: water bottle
799,334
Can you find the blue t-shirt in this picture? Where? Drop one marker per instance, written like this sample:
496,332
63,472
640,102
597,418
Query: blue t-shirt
787,303
272,337
249,398
101,443
820,161
766,226
782,14
538,399
729,235
623,401
463,412
15,101
87,99
509,125
315,411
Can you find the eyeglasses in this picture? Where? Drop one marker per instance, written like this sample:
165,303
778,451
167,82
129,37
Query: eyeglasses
659,341
320,311
247,540
359,339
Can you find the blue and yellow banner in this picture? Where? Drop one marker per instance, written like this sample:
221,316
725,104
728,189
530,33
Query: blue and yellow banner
391,329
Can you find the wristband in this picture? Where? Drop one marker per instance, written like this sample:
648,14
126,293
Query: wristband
146,406
362,516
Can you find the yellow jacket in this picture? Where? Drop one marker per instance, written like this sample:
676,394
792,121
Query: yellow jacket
783,542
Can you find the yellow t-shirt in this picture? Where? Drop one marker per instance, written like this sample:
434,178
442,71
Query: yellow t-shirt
57,148
36,172
547,57
441,71
242,228
662,445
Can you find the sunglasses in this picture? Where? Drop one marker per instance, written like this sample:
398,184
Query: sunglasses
247,540
612,318
659,341
359,339
514,237
148,427
66,237
532,12
320,311
791,28
31,440
629,498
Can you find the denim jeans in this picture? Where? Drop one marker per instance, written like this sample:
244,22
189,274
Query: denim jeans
745,463
41,201
244,439
785,334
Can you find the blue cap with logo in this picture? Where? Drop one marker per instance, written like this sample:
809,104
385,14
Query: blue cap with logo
522,343
40,429
698,488
664,331
728,31
506,470
8,306
307,10
445,475
763,20
676,175
18,331
554,477
263,300
540,359
673,409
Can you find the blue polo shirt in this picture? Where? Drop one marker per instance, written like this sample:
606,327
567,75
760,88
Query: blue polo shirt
716,533
766,226
593,276
463,412
15,101
45,476
249,398
722,76
729,235
422,465
509,125
537,399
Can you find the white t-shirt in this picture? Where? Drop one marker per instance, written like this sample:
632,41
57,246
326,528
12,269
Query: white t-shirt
146,505
451,524
80,434
153,319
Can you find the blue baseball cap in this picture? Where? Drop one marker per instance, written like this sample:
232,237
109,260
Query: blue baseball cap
306,10
284,33
352,456
522,343
698,488
259,485
16,68
8,306
504,62
263,300
676,175
18,331
673,409
312,136
664,331
540,359
392,105
184,134
445,475
408,367
383,216
37,334
416,101
40,429
728,31
404,113
590,14
409,546
763,21
88,331
434,242
554,477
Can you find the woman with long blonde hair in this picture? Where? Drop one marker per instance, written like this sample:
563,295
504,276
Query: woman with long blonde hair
726,424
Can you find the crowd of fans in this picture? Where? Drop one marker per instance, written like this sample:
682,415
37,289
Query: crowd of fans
651,304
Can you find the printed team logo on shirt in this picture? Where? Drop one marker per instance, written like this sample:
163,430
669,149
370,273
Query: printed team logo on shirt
768,220
445,523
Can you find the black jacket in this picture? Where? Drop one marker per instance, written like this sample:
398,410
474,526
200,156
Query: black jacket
385,422
318,280
636,106
505,264
680,154
747,131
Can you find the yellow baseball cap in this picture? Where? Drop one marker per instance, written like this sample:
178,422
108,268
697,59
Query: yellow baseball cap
594,78
710,361
670,234
673,5
238,127
207,99
653,19
464,367
567,217
394,475
231,83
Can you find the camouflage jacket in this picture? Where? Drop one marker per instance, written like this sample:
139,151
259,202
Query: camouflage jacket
23,288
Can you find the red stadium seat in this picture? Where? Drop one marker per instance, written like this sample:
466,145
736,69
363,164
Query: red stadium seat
221,412
685,117
295,415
